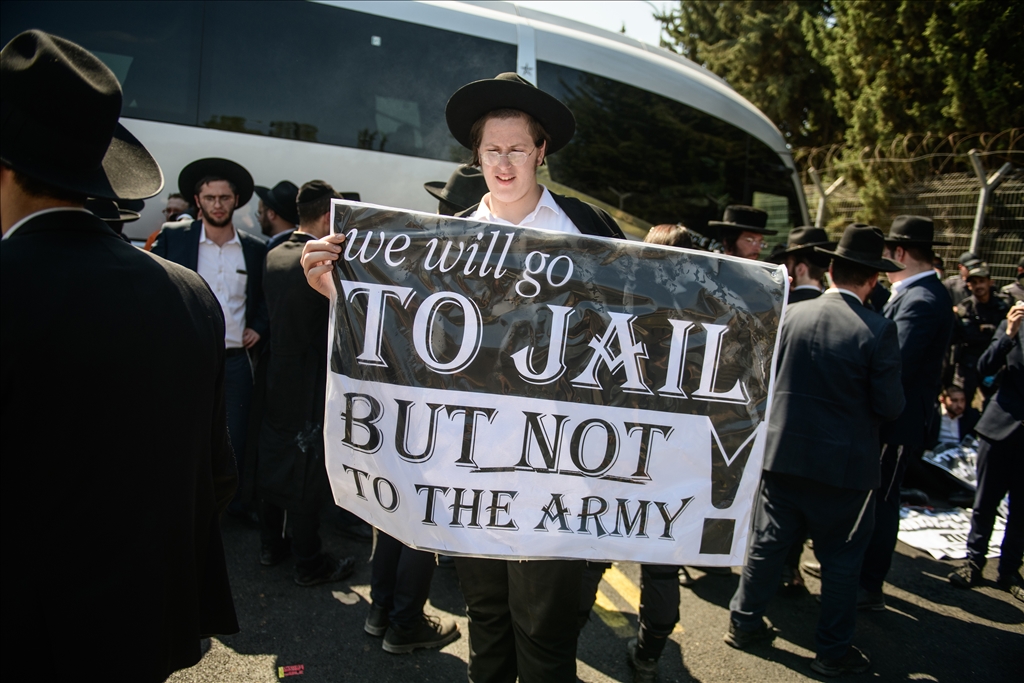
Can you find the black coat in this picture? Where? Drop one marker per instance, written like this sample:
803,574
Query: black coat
291,470
968,421
838,380
1005,410
922,313
180,243
589,219
115,456
798,295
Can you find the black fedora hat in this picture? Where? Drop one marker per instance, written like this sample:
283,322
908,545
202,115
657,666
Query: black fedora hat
508,91
59,121
109,211
803,240
281,199
862,244
746,219
912,231
465,188
221,168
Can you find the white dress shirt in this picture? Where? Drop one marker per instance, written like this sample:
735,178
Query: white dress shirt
547,215
949,427
223,268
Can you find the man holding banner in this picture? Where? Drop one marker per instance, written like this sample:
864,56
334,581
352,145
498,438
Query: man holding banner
525,393
839,380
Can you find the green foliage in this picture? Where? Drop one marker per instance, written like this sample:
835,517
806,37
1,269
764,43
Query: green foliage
864,72
761,50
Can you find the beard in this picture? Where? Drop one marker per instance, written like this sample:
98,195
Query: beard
209,220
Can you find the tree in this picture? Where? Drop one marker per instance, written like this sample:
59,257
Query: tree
761,50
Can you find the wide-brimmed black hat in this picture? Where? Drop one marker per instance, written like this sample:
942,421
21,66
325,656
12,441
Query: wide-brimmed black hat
59,121
803,240
281,199
222,168
508,91
912,231
465,187
109,211
862,244
744,218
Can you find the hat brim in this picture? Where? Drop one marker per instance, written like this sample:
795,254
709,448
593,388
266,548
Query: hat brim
743,228
436,189
780,257
128,171
267,197
883,264
201,168
475,99
915,243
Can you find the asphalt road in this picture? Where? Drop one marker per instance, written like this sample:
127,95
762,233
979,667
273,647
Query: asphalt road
930,632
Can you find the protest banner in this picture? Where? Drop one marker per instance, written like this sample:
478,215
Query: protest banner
508,392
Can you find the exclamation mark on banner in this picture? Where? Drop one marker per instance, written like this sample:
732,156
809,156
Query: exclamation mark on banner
732,441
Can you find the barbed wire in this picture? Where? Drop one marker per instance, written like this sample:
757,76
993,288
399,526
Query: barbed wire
913,156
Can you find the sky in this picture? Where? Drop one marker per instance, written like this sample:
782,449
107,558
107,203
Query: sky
637,16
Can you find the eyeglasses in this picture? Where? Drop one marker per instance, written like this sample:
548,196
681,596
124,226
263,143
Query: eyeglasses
755,242
514,158
223,199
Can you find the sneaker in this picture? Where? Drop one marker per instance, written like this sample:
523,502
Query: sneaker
812,569
275,553
644,670
328,571
853,662
376,621
967,576
429,632
870,601
741,640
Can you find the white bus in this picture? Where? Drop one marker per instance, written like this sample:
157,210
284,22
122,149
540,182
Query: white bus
354,93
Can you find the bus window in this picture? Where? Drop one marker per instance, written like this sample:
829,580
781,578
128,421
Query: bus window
656,158
152,48
308,71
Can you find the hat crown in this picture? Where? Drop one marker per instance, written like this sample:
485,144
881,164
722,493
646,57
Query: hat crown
807,235
745,216
60,105
861,240
911,229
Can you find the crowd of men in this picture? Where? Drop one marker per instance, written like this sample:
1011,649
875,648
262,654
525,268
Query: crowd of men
235,328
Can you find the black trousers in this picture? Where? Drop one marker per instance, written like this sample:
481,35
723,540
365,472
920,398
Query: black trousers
401,578
522,619
1000,470
839,523
878,556
305,525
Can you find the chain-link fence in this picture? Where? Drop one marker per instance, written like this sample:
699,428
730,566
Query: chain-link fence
951,200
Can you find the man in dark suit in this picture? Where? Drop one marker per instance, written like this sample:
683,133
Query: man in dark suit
838,380
231,262
1000,461
922,311
954,419
806,266
94,487
276,212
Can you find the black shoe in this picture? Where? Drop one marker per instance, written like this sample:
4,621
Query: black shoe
870,601
741,639
328,570
853,662
812,569
428,632
376,621
915,497
275,553
967,576
1007,581
644,670
685,579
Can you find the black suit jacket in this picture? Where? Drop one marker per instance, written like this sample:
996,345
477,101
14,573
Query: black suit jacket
179,242
1005,410
838,380
113,470
968,421
924,320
